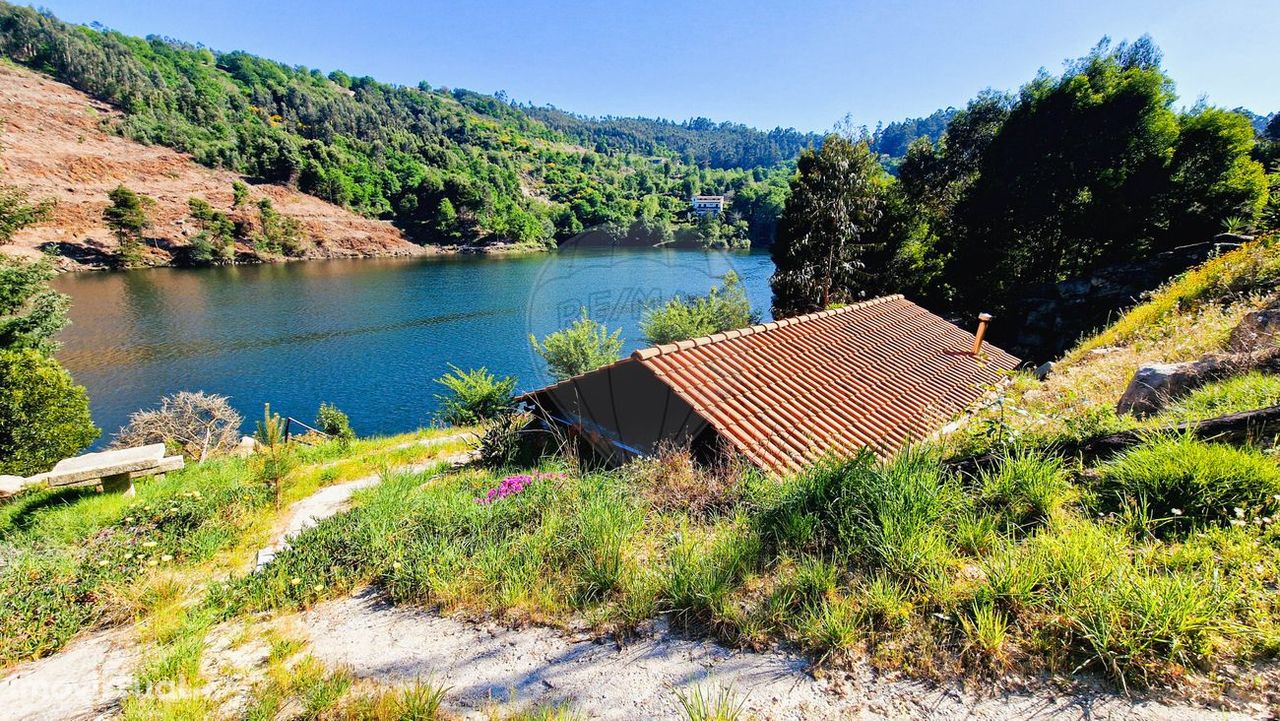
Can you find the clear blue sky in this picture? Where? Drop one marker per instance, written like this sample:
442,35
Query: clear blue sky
800,64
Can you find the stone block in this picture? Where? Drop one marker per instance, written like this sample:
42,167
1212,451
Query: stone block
93,466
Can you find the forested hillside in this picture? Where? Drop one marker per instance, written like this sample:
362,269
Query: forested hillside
698,141
444,166
706,143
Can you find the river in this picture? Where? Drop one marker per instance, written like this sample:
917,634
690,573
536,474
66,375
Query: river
367,335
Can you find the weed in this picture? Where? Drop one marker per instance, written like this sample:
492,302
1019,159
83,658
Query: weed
1025,488
703,705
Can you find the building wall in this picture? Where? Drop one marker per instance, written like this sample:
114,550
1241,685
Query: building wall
623,410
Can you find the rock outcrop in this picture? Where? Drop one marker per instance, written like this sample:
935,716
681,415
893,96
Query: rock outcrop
1258,329
1052,317
1252,346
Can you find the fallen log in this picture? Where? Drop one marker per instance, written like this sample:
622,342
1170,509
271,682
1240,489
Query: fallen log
1235,428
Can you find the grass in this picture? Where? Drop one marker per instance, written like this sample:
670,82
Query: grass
1232,395
1177,483
905,561
705,705
73,558
919,567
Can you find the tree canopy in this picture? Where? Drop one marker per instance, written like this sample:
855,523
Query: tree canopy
821,249
1075,172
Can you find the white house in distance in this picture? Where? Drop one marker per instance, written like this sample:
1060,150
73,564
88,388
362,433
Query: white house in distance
707,204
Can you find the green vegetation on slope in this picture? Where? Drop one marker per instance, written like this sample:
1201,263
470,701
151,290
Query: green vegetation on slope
1076,173
445,166
73,558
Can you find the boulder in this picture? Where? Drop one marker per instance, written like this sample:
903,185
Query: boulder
1155,385
245,447
10,485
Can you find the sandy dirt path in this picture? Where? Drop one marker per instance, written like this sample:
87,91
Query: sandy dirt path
487,663
86,680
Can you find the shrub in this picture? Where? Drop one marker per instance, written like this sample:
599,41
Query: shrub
44,415
333,421
671,482
584,346
505,440
683,318
198,425
474,396
1179,482
31,313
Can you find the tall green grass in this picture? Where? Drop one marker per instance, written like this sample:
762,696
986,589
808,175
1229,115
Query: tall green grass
1176,482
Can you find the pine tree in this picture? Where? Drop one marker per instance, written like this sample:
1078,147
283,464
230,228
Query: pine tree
127,219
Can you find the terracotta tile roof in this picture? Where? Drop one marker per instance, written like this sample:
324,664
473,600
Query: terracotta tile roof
875,374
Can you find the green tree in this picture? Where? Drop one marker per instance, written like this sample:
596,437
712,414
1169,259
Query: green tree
127,219
44,415
280,234
723,308
835,201
17,211
1213,176
216,241
31,312
239,193
583,346
446,220
1071,180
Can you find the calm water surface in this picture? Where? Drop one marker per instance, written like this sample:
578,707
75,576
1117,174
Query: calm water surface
368,335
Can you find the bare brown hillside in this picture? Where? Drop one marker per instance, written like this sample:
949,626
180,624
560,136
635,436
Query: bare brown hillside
56,143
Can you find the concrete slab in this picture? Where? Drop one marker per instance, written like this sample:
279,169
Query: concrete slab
92,466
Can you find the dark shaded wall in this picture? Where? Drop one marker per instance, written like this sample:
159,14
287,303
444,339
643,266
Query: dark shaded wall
1055,316
623,410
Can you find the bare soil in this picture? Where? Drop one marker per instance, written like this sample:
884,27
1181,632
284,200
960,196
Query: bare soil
486,663
56,143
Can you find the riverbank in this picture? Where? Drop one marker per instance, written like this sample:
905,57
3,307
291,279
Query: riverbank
86,258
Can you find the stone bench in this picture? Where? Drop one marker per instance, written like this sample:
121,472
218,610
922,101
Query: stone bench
114,470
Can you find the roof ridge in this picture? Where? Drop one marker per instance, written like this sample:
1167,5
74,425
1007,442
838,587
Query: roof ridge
642,354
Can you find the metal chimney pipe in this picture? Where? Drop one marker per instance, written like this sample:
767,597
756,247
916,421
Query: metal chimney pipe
983,319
